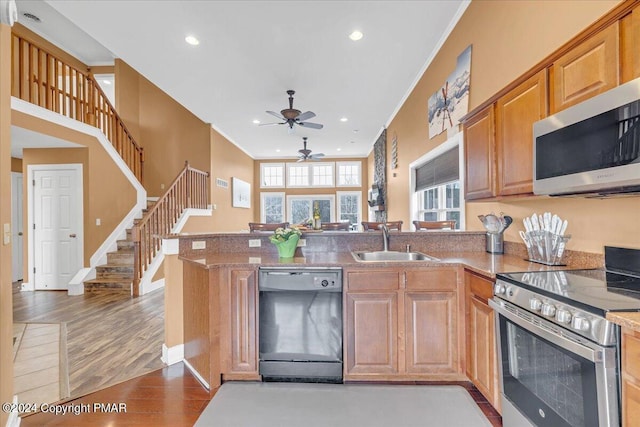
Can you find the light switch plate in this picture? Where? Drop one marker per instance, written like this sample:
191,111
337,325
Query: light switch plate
255,243
6,235
199,244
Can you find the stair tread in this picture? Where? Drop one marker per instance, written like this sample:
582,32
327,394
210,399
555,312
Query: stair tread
109,280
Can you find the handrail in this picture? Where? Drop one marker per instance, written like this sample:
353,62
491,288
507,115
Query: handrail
39,77
189,190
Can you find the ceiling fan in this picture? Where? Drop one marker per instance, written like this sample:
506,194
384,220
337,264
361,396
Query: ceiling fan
292,116
305,154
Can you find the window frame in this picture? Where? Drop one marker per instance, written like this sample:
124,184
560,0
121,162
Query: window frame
339,205
415,197
312,197
309,168
263,195
284,175
348,163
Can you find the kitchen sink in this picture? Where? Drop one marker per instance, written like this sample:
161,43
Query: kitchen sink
382,256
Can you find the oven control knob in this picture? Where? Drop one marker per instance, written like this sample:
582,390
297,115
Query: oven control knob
548,310
580,323
324,283
563,316
499,289
535,304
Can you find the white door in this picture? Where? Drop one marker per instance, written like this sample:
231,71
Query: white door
16,226
57,221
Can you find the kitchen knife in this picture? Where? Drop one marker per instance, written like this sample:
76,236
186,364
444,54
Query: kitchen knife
555,220
527,224
563,228
546,218
534,222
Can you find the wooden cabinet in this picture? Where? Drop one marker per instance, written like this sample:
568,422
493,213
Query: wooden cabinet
629,41
481,366
239,344
516,112
630,378
479,136
402,324
586,70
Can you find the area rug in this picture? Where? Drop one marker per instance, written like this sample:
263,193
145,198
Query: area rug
350,405
40,362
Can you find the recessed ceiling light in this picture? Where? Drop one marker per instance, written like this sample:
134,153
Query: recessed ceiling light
353,142
192,40
31,17
356,35
339,149
277,150
355,131
256,122
107,82
344,119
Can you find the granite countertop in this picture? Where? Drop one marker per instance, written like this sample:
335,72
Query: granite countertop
481,262
629,320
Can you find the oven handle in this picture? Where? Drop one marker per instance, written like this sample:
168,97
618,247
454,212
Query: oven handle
565,342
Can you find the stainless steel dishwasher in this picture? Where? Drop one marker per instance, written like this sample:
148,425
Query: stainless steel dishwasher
300,324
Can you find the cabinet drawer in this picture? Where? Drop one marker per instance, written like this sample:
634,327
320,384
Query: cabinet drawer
373,280
431,279
631,354
479,286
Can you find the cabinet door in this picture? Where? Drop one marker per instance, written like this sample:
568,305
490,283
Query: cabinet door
431,332
629,40
242,301
479,155
587,70
630,378
371,333
515,114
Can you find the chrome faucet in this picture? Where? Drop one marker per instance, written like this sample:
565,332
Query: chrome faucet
385,237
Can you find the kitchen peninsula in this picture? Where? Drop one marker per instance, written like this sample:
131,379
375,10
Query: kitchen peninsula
414,320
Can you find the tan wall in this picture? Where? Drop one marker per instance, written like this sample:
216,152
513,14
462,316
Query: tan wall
227,161
108,195
304,191
168,132
173,306
508,38
16,165
6,306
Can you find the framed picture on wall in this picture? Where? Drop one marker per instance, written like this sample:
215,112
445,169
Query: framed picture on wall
241,193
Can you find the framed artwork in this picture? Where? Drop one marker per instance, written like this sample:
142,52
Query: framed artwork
449,103
241,193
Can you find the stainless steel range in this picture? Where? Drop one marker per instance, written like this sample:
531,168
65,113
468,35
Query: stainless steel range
559,357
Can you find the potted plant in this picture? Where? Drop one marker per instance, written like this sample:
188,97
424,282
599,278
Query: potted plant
286,240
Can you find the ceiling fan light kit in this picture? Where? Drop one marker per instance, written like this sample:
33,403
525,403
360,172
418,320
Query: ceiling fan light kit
305,154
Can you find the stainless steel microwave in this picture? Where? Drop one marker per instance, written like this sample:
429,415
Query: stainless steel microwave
591,148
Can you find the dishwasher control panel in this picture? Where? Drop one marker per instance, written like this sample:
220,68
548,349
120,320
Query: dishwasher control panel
300,279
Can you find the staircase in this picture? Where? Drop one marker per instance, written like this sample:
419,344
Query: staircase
116,275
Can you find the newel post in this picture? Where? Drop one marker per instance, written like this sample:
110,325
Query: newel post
137,272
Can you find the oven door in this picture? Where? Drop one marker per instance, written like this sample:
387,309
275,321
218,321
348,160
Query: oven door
552,376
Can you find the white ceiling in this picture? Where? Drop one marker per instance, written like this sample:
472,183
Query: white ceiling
251,52
24,138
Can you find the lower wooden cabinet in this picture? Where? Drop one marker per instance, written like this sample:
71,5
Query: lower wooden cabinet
482,365
630,378
403,327
239,343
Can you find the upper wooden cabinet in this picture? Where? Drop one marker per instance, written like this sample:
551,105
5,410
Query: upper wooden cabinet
515,114
629,42
587,70
479,154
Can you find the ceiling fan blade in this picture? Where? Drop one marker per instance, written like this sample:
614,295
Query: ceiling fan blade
271,124
301,159
311,125
306,115
318,155
273,113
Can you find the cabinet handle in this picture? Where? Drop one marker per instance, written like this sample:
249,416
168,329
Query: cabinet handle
404,279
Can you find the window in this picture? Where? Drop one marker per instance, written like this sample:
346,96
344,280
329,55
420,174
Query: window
297,175
437,184
300,208
272,207
322,175
440,203
349,207
271,175
348,174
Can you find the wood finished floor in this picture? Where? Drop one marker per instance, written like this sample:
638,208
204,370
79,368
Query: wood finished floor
172,397
110,338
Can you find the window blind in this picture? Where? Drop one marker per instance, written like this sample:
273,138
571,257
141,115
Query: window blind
439,170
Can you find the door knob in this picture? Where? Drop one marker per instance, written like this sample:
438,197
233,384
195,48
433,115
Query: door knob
73,236
19,233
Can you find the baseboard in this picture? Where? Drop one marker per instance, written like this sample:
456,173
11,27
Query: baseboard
145,288
14,418
171,355
76,285
27,287
196,374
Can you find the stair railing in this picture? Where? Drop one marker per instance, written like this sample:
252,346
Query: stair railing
39,77
190,189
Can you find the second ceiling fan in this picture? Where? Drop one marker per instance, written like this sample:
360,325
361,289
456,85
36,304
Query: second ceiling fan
305,154
291,116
